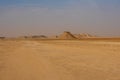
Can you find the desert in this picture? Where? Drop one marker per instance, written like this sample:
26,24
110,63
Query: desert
59,39
38,59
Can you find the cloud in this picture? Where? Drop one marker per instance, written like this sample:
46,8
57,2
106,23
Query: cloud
77,16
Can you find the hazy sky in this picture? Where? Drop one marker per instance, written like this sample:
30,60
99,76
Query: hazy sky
26,17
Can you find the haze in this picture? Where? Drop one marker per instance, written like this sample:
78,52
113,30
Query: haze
31,17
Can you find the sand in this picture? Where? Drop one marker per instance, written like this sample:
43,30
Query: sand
59,60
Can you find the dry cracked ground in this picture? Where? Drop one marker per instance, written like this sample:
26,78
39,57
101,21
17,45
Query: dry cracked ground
59,60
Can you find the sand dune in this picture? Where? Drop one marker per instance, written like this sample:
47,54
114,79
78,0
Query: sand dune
59,60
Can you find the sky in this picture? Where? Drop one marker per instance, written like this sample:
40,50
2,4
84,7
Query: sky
52,17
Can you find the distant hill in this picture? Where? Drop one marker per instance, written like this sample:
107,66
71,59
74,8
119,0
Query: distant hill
84,35
35,37
66,35
2,37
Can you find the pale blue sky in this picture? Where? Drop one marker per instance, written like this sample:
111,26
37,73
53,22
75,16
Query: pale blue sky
26,17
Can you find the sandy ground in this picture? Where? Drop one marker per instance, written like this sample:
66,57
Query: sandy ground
59,60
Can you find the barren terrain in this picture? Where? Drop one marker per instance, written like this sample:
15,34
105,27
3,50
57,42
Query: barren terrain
59,60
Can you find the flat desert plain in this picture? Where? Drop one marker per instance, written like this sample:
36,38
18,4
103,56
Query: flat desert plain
59,60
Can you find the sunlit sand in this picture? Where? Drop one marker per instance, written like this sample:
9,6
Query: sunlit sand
59,60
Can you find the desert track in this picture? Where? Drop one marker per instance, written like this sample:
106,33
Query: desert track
59,60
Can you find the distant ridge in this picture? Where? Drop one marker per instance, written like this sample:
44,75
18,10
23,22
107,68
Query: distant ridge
34,37
84,35
66,35
2,37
